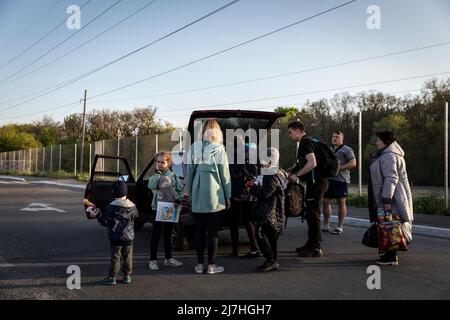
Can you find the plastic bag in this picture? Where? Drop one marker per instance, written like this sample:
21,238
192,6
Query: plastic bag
390,234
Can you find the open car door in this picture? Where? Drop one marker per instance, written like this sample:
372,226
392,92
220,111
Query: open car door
105,171
144,195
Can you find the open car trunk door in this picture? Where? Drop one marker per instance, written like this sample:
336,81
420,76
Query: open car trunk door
258,119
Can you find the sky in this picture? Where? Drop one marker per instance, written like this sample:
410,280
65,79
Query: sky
336,37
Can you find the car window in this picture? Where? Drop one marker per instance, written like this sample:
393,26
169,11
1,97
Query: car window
240,123
150,172
111,170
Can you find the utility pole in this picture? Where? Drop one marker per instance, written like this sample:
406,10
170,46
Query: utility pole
446,155
360,154
82,139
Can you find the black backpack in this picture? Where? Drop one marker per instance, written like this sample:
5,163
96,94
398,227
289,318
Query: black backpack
327,163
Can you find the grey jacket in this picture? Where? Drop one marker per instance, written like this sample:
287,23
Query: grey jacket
390,183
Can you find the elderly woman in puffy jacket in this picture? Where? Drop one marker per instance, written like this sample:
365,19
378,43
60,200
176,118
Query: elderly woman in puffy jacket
389,187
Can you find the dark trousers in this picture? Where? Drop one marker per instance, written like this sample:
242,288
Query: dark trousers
206,223
118,253
267,238
314,197
246,211
166,228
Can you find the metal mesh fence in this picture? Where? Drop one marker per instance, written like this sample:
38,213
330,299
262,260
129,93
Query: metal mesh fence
67,158
418,130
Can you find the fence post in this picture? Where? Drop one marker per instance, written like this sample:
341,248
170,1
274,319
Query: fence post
90,158
118,151
75,161
360,153
136,159
103,152
37,157
43,159
446,155
31,162
51,158
59,164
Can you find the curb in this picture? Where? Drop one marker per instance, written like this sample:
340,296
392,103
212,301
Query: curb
417,229
58,184
13,178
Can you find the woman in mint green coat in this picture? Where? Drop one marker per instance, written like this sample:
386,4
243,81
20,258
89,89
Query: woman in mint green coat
209,184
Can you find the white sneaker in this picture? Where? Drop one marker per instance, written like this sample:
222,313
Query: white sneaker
338,230
153,265
212,269
172,262
326,228
199,268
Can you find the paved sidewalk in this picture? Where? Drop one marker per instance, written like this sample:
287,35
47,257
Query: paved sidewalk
424,224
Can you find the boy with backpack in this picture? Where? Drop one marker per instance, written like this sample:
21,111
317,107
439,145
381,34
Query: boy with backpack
119,218
315,163
270,214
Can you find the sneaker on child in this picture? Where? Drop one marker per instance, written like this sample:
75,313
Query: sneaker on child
172,262
153,265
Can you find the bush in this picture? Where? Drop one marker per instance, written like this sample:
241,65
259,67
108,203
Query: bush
426,204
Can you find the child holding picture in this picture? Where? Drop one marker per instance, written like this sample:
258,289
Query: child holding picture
166,187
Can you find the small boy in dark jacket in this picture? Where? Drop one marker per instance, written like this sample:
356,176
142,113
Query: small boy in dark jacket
119,218
270,216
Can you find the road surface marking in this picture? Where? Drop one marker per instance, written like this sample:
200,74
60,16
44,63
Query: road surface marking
34,207
5,264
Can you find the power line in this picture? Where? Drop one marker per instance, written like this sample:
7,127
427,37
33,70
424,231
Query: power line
272,107
225,50
77,103
29,27
62,42
68,82
79,47
310,92
40,39
43,111
283,74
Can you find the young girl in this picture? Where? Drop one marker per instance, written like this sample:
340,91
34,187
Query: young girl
166,186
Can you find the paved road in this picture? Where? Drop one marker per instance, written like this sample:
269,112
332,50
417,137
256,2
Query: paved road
36,247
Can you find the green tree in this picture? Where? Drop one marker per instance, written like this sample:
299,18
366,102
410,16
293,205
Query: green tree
11,139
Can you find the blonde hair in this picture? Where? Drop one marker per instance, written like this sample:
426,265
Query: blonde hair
212,131
167,156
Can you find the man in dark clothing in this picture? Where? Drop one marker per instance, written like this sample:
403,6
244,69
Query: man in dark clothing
316,186
119,218
243,207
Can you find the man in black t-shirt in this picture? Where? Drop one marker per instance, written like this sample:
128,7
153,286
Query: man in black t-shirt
316,185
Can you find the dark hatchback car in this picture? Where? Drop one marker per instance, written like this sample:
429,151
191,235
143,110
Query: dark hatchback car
107,169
